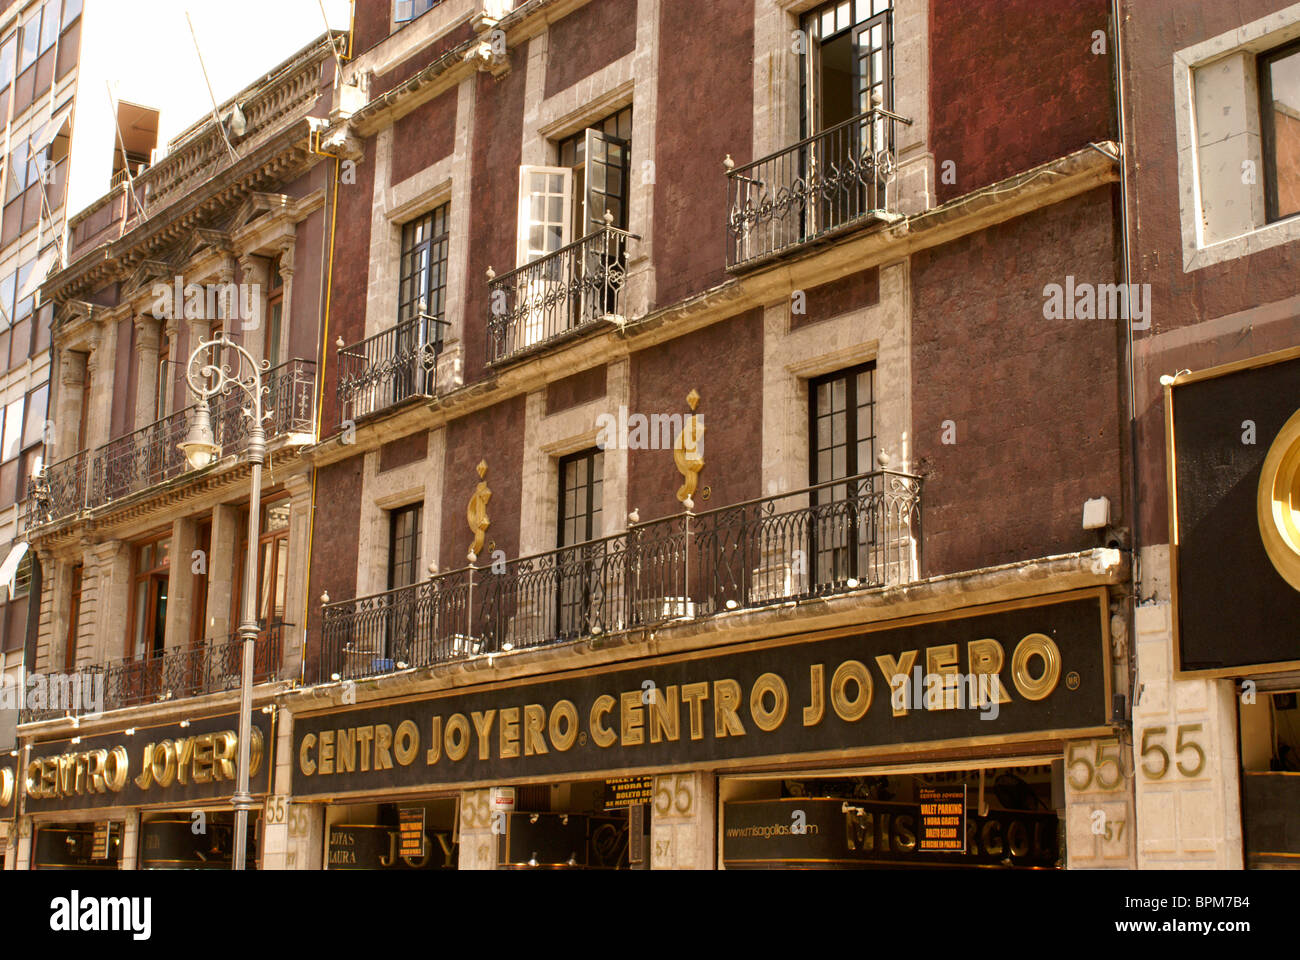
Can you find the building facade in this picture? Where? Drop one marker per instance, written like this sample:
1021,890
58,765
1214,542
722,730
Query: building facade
1212,106
735,438
143,556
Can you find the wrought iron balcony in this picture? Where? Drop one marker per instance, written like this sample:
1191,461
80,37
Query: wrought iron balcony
853,534
564,293
834,181
151,455
176,674
388,368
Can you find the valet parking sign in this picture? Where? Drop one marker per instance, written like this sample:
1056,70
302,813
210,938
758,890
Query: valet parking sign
804,697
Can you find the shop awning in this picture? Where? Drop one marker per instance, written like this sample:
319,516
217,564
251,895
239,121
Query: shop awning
52,130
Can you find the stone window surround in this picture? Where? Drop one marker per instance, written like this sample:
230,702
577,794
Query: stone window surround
879,332
1245,42
777,90
548,438
382,492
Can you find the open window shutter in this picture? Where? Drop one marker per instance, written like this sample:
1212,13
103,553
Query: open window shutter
545,201
606,181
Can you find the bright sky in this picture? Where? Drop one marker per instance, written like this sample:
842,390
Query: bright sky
241,40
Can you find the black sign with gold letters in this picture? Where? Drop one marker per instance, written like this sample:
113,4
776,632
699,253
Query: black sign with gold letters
157,765
1234,473
1018,670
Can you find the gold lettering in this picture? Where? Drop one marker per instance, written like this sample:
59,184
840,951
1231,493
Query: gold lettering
602,736
896,674
184,754
345,751
986,658
145,780
6,786
631,719
116,769
665,715
1036,645
816,709
457,737
726,702
566,711
224,748
255,750
990,835
383,743
34,774
407,744
165,753
305,763
326,753
695,694
534,724
941,661
95,761
853,710
483,726
509,729
434,753
765,719
204,755
365,736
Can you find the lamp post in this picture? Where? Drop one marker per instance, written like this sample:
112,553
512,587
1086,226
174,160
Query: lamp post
206,380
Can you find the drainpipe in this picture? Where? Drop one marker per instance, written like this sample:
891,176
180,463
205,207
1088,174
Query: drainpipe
1130,358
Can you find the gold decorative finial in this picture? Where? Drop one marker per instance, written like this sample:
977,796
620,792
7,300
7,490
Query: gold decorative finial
688,452
477,511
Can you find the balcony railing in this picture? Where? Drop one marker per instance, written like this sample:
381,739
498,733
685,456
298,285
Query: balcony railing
834,180
151,455
853,534
388,368
565,292
195,671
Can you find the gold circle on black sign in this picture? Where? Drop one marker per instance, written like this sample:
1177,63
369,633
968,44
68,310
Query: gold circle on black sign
1278,502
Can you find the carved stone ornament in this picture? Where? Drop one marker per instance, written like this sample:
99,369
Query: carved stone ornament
477,512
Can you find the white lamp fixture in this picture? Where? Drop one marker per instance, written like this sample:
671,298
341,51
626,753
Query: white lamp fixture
199,446
1096,514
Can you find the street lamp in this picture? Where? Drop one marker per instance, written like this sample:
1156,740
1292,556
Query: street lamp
206,380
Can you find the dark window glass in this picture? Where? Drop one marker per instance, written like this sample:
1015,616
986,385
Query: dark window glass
422,288
582,477
842,446
404,546
407,10
1279,82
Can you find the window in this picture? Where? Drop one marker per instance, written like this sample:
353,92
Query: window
842,446
599,159
8,56
34,431
422,288
273,564
50,25
1279,89
13,430
161,404
23,577
582,477
151,568
30,43
274,316
406,10
849,61
404,546
71,10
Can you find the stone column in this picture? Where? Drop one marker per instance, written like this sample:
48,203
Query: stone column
683,822
299,487
180,583
112,600
223,554
73,370
148,334
478,841
103,374
297,841
286,306
174,371
131,841
250,331
20,850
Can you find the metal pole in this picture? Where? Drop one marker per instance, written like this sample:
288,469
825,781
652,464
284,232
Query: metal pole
243,801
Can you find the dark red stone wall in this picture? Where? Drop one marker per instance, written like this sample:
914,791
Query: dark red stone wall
706,108
497,436
723,363
1014,83
1037,403
336,530
424,136
588,39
